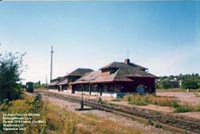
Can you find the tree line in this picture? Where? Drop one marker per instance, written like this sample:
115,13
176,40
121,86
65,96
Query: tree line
186,81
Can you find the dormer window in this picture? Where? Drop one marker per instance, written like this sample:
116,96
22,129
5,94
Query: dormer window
108,71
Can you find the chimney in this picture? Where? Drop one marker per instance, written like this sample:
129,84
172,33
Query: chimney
127,61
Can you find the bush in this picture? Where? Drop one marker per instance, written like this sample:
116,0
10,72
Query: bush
37,102
38,98
10,70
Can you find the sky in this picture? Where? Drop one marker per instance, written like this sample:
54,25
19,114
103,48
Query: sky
162,36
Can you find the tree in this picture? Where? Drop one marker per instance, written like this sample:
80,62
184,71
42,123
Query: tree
11,66
165,84
190,84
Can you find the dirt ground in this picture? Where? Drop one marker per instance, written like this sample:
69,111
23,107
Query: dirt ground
195,115
188,97
150,106
185,97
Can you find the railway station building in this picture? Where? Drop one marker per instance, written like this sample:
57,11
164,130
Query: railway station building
116,78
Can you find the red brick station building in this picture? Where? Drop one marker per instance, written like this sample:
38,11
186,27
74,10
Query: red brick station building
114,78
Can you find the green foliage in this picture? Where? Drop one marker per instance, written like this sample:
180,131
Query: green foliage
38,98
37,84
166,84
129,98
174,104
37,102
181,109
139,103
58,122
11,67
158,125
190,81
142,100
100,100
190,84
149,122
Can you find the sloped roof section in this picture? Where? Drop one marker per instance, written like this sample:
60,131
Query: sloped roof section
123,72
122,64
95,77
80,72
92,76
138,66
63,82
55,81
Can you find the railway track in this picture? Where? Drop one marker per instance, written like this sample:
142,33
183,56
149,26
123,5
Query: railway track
170,122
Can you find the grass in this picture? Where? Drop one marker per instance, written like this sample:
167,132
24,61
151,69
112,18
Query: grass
151,99
197,94
181,109
99,125
57,120
117,99
161,101
186,107
177,90
171,90
60,121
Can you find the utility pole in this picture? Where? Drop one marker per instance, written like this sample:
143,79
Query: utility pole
51,67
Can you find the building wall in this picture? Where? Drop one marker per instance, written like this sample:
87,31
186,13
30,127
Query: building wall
148,83
117,87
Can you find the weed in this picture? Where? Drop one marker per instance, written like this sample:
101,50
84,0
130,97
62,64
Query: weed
150,99
158,125
100,100
118,99
149,122
174,104
140,103
181,109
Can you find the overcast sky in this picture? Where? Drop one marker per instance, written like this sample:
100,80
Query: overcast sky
162,36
